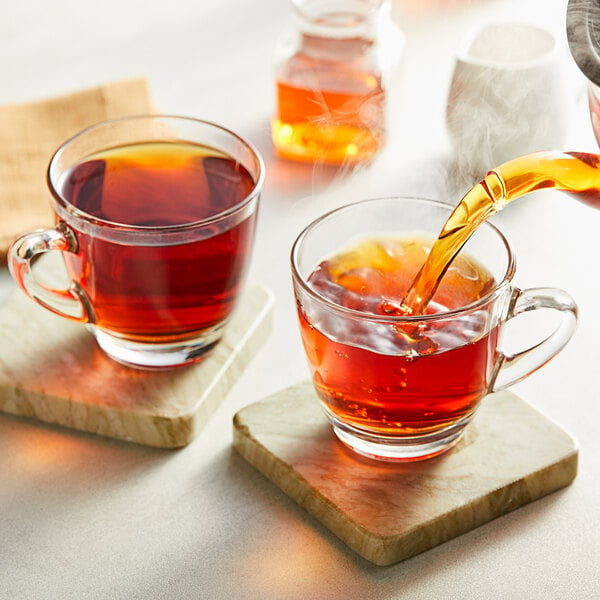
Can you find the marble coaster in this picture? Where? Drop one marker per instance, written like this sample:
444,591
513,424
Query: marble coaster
509,455
51,369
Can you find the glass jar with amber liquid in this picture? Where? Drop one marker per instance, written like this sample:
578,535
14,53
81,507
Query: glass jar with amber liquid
332,69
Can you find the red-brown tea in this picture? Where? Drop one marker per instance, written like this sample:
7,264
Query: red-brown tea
162,290
392,379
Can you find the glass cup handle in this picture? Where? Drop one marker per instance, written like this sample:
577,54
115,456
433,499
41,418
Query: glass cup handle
512,368
70,302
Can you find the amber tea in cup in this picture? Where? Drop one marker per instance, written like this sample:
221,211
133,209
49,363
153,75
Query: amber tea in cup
398,386
155,221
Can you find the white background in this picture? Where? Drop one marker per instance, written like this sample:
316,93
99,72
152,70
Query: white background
87,517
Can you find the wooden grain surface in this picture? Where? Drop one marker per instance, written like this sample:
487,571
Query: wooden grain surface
509,455
51,369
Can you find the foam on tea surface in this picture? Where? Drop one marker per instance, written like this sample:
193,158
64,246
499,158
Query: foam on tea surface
373,274
365,368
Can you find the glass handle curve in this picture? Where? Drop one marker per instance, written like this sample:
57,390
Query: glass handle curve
71,302
512,368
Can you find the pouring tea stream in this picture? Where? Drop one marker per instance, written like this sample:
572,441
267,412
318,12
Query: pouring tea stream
573,172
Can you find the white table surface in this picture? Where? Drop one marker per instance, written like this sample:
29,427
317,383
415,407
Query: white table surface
87,517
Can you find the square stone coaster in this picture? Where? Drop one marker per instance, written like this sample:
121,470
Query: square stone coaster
509,455
51,369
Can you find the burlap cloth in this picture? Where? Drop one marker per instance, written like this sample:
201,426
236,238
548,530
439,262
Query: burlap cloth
31,132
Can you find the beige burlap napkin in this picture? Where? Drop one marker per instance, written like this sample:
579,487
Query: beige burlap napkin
31,132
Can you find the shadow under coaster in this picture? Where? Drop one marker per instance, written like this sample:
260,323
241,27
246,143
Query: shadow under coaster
51,369
509,455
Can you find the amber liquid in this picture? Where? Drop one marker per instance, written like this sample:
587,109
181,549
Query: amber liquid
160,290
330,104
408,378
577,173
380,379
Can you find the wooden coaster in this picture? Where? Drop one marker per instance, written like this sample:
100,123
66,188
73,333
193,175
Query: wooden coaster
52,369
509,455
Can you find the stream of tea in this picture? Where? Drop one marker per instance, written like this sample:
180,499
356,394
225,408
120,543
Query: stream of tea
574,172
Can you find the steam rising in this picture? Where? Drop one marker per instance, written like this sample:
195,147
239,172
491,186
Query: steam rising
507,97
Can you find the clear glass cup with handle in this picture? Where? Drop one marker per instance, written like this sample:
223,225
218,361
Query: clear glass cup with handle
398,387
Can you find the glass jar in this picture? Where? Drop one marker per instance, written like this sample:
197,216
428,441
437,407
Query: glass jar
332,69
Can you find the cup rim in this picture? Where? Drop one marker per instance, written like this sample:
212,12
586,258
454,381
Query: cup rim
463,51
350,312
179,227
